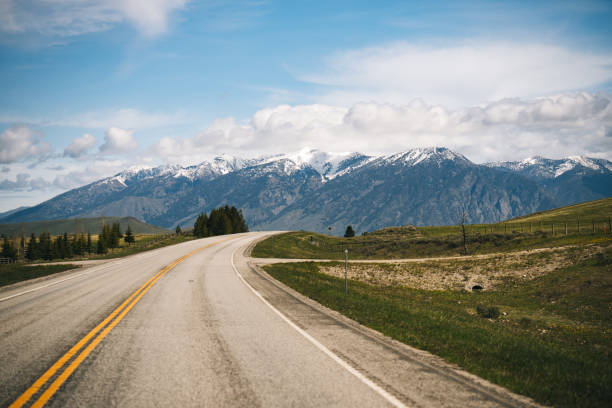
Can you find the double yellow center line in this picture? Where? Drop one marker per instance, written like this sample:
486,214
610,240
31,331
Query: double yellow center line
101,330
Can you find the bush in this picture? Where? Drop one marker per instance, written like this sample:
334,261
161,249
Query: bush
489,312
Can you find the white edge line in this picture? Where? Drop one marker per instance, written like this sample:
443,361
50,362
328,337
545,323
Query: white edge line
381,391
44,286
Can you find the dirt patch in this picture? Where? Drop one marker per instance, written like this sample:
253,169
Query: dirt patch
465,273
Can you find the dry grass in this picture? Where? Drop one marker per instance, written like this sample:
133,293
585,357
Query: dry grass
463,274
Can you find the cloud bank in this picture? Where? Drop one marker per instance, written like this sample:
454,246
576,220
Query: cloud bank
555,126
457,75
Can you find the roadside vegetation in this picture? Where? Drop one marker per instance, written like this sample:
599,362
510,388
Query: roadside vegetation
421,242
221,221
529,307
548,337
17,254
581,224
13,273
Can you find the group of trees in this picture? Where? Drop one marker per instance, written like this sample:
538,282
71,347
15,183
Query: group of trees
111,235
64,246
221,221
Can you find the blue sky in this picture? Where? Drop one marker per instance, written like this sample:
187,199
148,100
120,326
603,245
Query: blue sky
90,88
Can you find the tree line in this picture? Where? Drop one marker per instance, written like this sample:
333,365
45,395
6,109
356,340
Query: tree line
221,221
65,246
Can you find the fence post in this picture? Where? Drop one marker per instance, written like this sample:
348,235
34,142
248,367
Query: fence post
553,228
566,228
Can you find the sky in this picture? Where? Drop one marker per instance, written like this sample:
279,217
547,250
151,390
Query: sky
89,88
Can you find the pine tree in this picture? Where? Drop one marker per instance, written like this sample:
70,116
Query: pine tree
178,230
8,249
101,245
200,228
129,237
89,244
115,235
349,233
32,248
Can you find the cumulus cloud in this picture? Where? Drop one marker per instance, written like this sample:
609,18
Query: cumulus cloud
65,18
95,170
80,146
24,182
457,75
21,142
118,141
554,126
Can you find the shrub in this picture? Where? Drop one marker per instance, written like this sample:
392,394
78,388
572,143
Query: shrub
489,312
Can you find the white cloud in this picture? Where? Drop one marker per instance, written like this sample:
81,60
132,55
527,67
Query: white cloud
457,75
24,182
80,146
65,18
95,170
20,142
118,141
555,126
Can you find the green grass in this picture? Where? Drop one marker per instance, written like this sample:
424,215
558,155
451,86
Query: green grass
13,273
552,340
421,242
598,210
143,243
540,230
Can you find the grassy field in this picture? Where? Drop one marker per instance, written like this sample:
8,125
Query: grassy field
549,337
13,273
542,230
398,243
599,211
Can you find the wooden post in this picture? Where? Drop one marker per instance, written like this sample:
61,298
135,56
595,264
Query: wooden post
579,225
566,228
505,227
553,228
530,227
593,222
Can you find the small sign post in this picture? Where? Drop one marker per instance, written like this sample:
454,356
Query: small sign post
346,271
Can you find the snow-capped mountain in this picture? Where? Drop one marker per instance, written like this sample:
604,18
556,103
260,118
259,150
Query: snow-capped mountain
540,167
313,190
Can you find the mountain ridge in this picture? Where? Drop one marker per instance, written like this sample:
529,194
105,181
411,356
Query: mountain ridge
418,186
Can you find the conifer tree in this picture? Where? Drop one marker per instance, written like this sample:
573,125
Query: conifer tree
8,249
89,243
349,233
32,248
129,237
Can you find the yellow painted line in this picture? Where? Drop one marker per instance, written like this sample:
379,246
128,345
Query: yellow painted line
123,310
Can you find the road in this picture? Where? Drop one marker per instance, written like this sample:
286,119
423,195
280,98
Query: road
196,324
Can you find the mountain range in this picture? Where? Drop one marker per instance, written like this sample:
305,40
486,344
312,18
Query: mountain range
315,190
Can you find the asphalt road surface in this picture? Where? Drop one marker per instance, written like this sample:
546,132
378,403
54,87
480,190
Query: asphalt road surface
196,324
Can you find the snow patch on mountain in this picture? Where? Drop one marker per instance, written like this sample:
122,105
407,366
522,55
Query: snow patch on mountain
550,168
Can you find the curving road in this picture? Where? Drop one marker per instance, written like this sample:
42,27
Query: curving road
196,325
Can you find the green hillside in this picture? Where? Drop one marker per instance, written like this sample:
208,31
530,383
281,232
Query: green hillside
77,225
598,211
